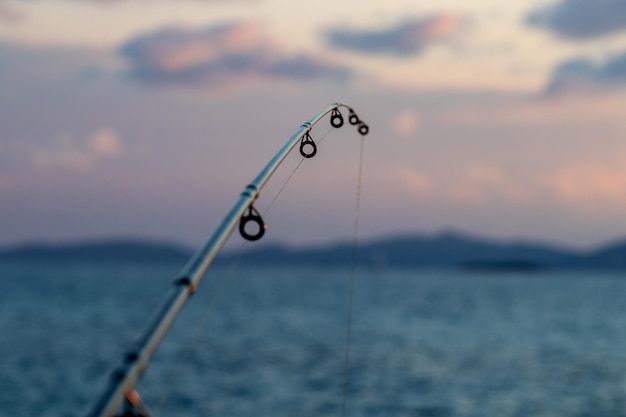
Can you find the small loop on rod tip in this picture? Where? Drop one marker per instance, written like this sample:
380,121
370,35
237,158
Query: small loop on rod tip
252,215
363,129
306,140
353,118
336,119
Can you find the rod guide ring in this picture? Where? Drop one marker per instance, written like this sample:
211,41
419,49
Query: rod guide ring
306,140
336,119
363,129
252,215
353,118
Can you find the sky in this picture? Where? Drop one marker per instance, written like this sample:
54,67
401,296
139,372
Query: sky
137,118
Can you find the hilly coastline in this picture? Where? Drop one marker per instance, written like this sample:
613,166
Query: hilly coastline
114,250
445,250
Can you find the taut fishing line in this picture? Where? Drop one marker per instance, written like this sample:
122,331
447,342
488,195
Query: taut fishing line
355,237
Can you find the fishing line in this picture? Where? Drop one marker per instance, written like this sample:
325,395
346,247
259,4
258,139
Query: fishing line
302,159
213,300
355,236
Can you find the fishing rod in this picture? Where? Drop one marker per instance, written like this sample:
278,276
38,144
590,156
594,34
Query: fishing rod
121,387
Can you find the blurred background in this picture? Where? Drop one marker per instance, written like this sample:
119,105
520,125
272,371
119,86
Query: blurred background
147,118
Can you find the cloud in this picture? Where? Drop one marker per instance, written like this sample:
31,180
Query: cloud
105,142
406,122
581,74
66,153
221,57
410,38
535,112
476,183
582,19
485,182
414,180
590,183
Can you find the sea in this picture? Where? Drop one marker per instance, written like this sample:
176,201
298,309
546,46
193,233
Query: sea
272,341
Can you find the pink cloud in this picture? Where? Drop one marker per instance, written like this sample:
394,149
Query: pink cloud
475,184
416,181
220,57
440,26
105,142
406,122
483,182
67,153
533,111
590,183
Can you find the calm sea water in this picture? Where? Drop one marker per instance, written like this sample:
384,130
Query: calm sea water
425,343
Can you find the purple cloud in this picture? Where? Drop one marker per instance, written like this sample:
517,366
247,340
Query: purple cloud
410,38
581,74
582,19
220,57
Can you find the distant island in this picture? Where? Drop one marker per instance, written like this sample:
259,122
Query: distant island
443,250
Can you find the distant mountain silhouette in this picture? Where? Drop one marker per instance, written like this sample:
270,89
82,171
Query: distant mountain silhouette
115,250
443,250
609,256
450,249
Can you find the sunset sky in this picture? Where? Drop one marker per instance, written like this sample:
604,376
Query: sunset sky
146,118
